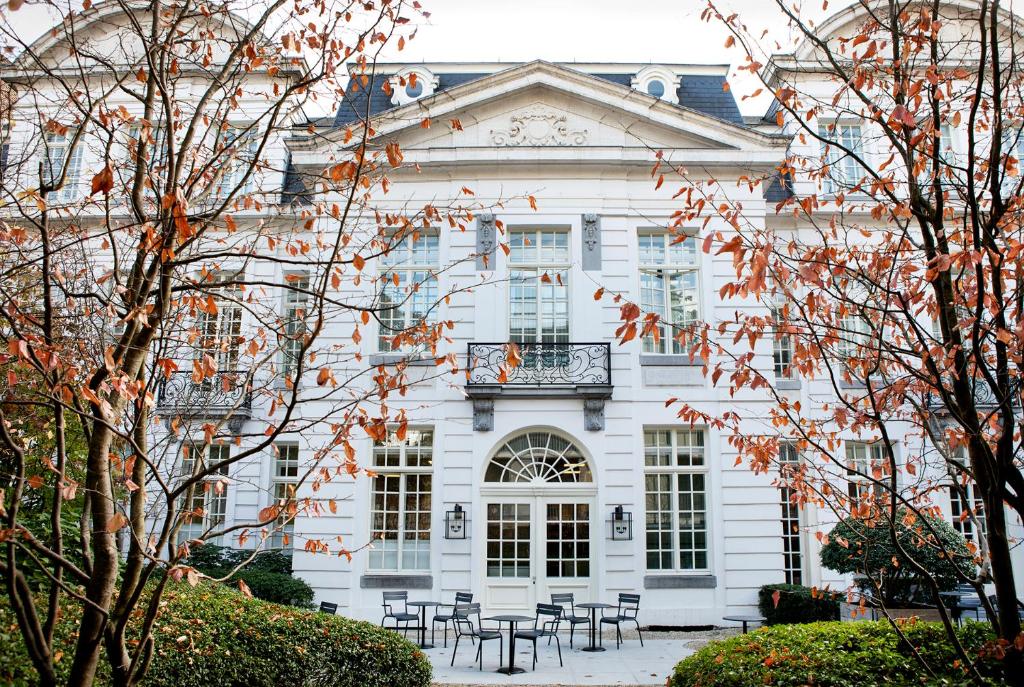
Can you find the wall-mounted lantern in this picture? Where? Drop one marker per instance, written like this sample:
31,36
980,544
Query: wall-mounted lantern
622,524
455,523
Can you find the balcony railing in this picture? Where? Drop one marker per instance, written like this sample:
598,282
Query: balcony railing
218,396
543,365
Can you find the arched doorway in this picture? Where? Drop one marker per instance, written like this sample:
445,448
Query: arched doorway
539,529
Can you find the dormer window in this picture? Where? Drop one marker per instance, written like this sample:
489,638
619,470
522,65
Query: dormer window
659,82
656,87
412,84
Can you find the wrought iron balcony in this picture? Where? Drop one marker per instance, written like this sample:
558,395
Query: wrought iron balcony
546,370
216,397
543,364
984,398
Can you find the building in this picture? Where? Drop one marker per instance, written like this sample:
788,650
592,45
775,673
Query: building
571,475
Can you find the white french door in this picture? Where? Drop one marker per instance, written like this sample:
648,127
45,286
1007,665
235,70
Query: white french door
536,546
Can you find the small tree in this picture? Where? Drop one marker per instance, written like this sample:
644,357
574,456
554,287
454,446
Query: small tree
867,548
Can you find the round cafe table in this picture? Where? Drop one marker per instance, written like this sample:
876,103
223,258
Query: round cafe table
593,606
512,621
423,606
744,619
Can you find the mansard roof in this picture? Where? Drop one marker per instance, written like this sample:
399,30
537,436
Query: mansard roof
703,89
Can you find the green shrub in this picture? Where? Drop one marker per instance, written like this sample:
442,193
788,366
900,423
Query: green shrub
866,547
836,653
268,574
797,604
211,635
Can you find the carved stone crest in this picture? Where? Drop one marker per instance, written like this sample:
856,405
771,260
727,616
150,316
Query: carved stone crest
538,126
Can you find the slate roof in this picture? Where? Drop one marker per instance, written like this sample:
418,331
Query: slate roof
704,93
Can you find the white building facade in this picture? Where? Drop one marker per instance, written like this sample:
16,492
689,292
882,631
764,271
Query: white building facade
573,474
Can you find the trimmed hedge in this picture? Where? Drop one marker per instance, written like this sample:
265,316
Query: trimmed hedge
836,653
211,635
268,574
797,604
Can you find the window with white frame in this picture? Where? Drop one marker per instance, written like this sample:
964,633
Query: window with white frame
967,510
844,170
286,477
5,145
675,485
538,286
56,148
1013,145
865,463
238,158
943,151
792,529
669,287
155,162
782,342
854,337
204,508
966,507
220,328
408,287
401,501
296,305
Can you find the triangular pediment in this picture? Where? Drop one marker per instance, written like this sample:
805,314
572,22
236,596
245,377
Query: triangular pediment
541,108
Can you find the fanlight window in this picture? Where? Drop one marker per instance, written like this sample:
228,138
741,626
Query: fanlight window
538,457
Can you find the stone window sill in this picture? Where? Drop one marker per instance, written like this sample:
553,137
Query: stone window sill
696,581
787,384
395,358
396,581
662,360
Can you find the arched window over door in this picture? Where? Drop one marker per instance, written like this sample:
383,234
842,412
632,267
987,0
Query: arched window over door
537,457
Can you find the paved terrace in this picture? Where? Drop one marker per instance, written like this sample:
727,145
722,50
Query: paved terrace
631,665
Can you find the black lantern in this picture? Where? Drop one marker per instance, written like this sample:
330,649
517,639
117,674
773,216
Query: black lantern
455,523
622,524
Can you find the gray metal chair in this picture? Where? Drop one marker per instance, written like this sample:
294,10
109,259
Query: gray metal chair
569,615
391,600
461,598
629,608
464,627
544,625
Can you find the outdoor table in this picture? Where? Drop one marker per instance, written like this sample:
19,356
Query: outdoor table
593,606
512,621
423,606
744,619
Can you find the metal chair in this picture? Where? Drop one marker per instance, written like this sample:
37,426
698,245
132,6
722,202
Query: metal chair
464,627
461,598
328,608
995,605
570,615
544,625
403,616
629,608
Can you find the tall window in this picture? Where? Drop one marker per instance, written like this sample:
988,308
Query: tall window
238,156
675,481
792,549
967,510
782,343
943,151
5,144
408,287
56,148
539,277
844,171
296,304
204,509
1013,144
864,462
286,477
669,286
854,336
220,328
400,509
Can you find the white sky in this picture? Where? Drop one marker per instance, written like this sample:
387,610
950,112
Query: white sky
668,31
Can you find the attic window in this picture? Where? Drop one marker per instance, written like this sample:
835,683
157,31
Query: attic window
412,84
659,82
